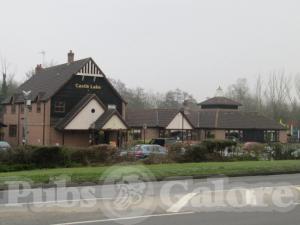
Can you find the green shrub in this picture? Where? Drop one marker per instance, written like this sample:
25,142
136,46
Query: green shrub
196,153
50,156
16,167
3,156
93,154
176,152
20,154
104,153
217,145
281,151
245,157
84,156
157,159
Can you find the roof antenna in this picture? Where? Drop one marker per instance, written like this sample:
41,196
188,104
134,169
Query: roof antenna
43,53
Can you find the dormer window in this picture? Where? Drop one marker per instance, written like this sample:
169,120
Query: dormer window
59,106
112,106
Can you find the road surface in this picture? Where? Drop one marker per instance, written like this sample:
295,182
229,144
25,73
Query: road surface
239,200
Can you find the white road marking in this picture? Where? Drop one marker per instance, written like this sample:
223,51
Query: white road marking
52,202
181,203
124,218
297,187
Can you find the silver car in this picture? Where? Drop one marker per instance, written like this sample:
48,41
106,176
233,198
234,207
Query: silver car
4,146
143,151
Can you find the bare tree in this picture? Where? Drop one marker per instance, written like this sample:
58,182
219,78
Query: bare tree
297,85
259,94
240,92
278,94
4,70
8,84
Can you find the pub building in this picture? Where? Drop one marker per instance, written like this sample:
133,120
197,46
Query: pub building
70,104
74,104
216,118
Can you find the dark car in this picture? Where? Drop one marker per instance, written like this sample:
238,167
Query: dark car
164,142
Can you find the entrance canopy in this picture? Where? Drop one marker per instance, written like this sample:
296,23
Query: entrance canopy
91,113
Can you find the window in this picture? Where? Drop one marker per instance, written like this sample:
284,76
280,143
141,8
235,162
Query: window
13,109
38,107
12,130
29,108
137,134
271,136
59,107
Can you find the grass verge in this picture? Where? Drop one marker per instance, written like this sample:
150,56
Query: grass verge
161,171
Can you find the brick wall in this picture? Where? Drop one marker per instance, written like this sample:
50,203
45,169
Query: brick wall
76,138
219,134
10,119
151,133
38,124
283,136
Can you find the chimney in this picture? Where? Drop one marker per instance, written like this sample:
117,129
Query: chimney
70,57
38,68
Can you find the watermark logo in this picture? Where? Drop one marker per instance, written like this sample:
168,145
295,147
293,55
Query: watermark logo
220,195
131,193
129,196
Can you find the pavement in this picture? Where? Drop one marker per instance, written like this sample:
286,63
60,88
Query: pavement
218,201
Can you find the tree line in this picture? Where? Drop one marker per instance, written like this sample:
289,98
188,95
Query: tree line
275,95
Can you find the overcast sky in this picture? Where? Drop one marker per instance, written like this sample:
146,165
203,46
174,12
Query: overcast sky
157,44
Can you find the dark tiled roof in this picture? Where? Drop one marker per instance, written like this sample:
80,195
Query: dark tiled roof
202,118
219,101
76,109
48,81
105,117
231,119
151,117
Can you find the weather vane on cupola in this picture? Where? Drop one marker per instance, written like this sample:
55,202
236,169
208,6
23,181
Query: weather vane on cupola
219,92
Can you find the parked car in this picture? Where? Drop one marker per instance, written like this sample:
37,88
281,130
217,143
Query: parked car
127,152
4,146
296,153
143,151
164,142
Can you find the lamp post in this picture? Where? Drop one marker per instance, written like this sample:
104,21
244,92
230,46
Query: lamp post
144,132
27,103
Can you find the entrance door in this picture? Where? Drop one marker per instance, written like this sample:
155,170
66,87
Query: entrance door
106,137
